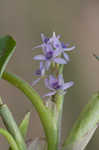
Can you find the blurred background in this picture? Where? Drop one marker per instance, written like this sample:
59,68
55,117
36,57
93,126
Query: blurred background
78,23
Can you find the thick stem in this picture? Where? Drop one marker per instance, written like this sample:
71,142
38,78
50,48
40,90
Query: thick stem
59,104
59,99
45,115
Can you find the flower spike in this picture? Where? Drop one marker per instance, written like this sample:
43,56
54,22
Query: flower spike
39,73
57,84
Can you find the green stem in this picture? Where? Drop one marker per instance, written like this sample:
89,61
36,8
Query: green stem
84,127
59,105
9,138
59,99
45,115
11,126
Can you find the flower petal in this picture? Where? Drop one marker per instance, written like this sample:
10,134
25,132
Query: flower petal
57,52
49,47
50,94
44,38
44,48
67,85
60,61
70,48
55,41
39,46
47,65
41,65
51,79
39,57
47,84
66,57
43,71
58,37
36,81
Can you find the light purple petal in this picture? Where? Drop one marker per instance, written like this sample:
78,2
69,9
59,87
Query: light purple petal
55,41
39,46
43,71
51,79
48,48
67,44
44,48
37,72
67,85
47,84
50,94
41,65
69,49
36,81
42,37
57,52
60,61
58,37
39,57
47,65
66,57
53,37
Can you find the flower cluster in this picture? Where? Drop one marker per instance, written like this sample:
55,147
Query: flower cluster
53,55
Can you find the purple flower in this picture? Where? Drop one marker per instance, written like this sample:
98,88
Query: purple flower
52,49
54,40
61,46
39,73
65,48
50,55
44,40
57,85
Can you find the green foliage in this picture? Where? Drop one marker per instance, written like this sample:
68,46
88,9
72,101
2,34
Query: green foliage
85,126
80,134
24,125
7,47
11,126
47,120
9,138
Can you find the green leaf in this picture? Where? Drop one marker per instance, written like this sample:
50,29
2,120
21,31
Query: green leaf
85,126
7,47
9,138
11,126
24,124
